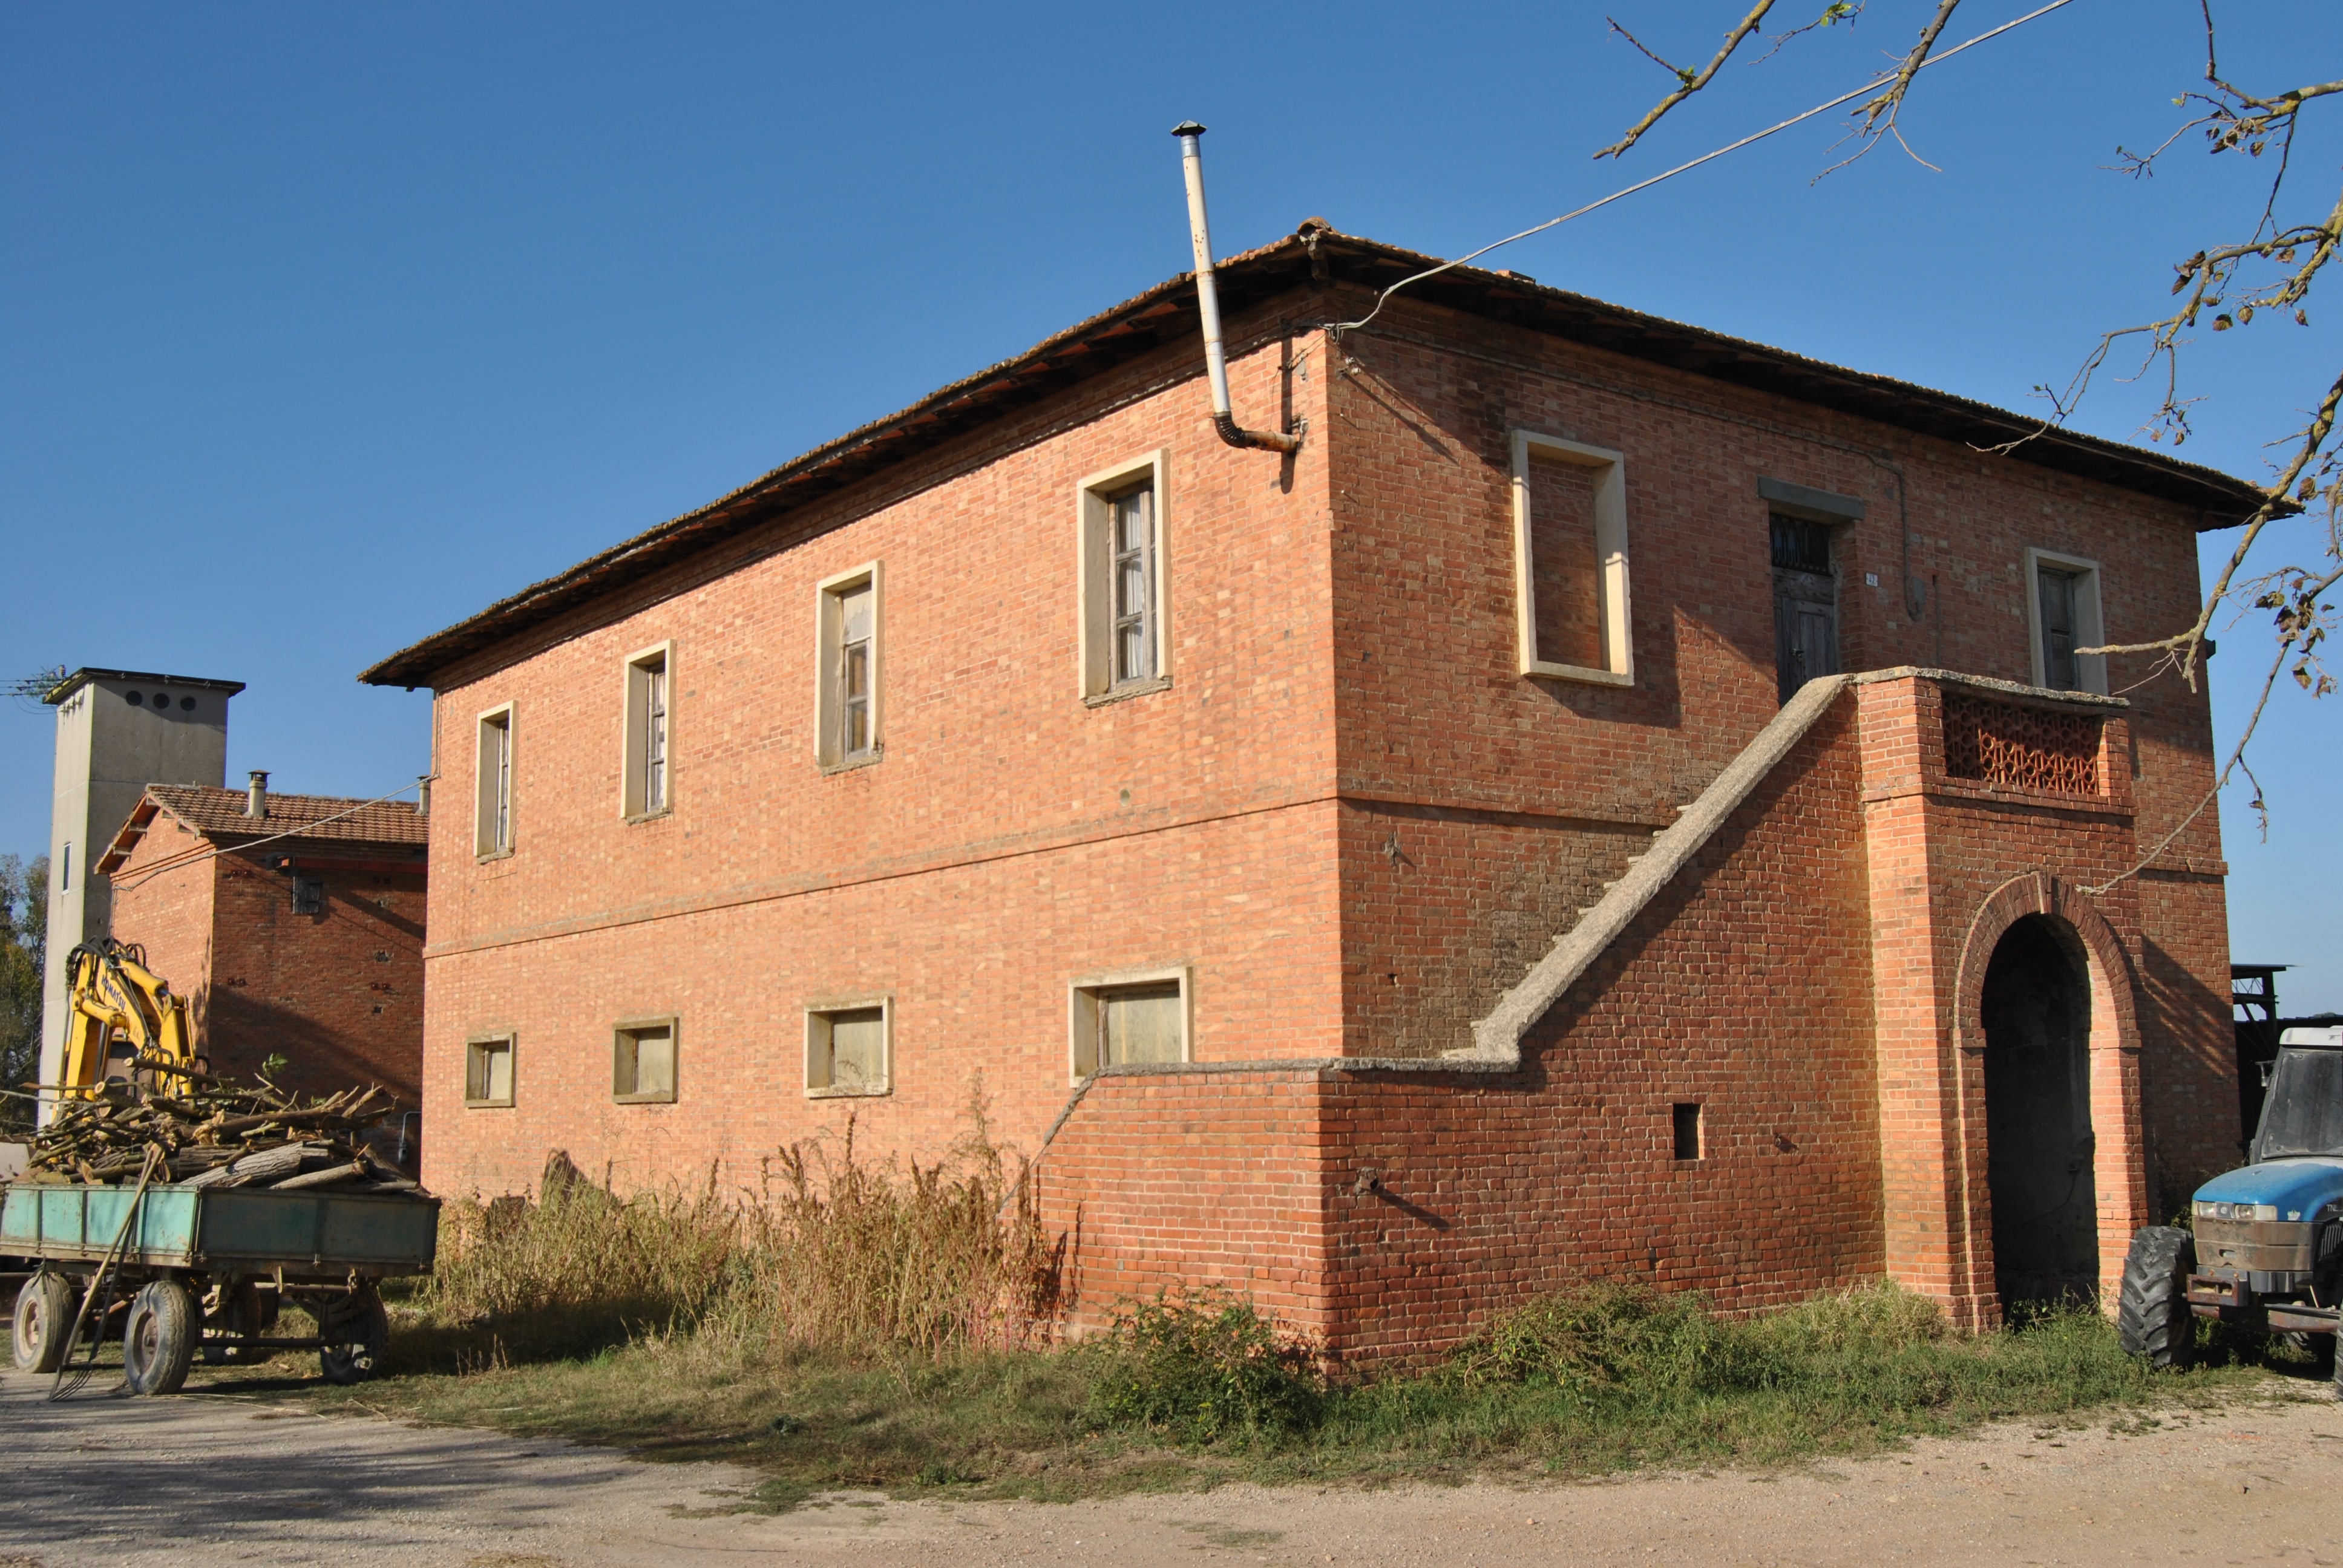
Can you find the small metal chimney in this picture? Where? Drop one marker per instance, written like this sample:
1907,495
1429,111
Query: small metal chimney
255,797
1208,302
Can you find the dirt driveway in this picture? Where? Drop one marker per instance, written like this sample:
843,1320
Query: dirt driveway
205,1480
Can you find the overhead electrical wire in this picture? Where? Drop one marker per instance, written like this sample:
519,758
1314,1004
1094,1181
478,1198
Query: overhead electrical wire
1871,85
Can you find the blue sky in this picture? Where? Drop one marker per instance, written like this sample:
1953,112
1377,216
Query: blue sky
322,326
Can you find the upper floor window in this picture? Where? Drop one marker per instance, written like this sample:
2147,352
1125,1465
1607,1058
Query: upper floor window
2063,613
847,631
1126,644
492,825
649,704
1570,560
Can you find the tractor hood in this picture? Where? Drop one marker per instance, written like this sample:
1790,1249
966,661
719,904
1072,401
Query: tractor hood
2300,1189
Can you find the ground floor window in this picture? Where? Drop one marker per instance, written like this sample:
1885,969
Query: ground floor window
850,1048
1129,1019
488,1069
642,1061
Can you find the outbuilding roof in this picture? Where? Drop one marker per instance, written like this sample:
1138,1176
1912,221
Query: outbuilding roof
220,816
1313,253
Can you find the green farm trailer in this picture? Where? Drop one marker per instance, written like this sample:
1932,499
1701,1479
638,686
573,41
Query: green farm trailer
180,1271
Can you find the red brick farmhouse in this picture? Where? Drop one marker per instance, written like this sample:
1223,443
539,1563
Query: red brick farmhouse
1617,800
296,931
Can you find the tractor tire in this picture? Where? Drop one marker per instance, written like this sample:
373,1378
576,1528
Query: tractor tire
158,1343
45,1312
2152,1316
356,1332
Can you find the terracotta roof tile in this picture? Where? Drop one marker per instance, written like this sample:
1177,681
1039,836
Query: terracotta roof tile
218,813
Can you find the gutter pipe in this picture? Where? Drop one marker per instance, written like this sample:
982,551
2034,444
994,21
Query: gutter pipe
1208,301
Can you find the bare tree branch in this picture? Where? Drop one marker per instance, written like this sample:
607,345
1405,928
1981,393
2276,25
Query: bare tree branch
1890,104
2224,285
1687,82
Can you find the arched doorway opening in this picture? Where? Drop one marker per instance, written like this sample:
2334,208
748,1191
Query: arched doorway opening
2039,1149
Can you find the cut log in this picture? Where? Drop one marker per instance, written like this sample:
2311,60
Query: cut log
333,1175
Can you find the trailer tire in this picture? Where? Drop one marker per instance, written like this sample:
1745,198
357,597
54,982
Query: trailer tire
2152,1316
44,1310
158,1343
356,1332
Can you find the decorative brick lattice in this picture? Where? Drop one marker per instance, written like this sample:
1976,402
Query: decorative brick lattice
2028,748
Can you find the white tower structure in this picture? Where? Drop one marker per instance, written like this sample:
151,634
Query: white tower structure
118,730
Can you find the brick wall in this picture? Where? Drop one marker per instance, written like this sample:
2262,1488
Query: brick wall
1013,839
339,995
167,910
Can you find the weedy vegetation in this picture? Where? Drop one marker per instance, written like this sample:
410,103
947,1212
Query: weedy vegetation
844,1324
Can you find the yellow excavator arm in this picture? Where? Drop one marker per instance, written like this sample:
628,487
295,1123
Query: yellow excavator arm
114,996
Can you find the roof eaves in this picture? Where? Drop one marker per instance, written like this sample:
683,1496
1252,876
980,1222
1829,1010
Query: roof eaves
2220,498
83,675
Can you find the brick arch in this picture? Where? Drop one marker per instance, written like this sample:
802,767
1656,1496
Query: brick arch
2119,1162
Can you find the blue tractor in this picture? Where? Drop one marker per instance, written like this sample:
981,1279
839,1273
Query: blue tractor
2268,1248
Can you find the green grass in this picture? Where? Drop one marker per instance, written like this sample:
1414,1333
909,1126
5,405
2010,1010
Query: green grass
846,1326
1190,1391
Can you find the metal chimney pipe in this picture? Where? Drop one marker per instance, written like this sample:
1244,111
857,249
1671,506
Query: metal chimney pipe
1208,302
256,795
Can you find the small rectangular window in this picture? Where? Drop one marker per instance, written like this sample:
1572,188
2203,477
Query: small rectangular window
850,1049
65,870
488,1069
308,895
2062,611
1687,1132
1119,517
1129,1019
847,707
492,820
642,1062
649,702
1569,561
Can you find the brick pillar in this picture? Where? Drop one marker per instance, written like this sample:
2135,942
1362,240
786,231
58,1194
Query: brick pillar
1926,1143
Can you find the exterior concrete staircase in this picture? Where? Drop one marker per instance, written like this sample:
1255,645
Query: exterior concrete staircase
1497,1039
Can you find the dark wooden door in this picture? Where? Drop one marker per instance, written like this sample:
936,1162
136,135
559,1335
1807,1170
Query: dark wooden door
1806,605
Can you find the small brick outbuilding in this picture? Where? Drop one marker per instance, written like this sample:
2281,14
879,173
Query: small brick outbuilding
1617,799
298,933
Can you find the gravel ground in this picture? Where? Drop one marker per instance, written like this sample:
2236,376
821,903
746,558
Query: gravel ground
204,1480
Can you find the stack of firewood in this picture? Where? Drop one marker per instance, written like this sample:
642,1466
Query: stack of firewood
214,1133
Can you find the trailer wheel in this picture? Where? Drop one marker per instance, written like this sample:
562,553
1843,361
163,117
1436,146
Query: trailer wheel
44,1310
158,1343
2152,1315
356,1332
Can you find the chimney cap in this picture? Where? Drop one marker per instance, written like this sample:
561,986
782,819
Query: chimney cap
1187,128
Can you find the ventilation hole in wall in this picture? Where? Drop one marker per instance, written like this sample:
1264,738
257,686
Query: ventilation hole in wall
1687,1130
132,698
186,705
382,958
377,1007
